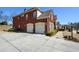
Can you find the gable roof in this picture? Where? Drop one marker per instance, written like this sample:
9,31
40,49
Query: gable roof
34,8
44,14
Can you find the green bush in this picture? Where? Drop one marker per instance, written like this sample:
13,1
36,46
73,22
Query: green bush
54,31
51,33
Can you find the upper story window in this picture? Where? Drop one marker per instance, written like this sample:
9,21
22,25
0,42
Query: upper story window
18,26
34,14
26,16
18,17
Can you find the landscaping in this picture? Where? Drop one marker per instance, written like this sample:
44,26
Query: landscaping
53,32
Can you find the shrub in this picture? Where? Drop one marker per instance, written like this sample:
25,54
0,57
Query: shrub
61,29
51,33
54,31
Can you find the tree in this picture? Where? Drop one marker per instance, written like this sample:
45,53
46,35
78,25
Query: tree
3,18
11,17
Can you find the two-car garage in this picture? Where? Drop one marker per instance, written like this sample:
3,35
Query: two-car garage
39,27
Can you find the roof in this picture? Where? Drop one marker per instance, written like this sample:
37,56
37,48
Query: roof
44,14
34,8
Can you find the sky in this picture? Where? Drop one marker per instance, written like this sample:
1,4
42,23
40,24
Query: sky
65,15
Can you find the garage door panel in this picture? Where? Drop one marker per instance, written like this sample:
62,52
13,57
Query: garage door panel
40,28
30,28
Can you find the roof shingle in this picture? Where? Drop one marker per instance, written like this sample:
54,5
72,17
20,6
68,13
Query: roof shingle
44,15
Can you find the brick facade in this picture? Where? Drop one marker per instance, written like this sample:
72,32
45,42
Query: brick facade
21,21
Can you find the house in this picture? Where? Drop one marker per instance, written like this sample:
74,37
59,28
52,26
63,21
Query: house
35,21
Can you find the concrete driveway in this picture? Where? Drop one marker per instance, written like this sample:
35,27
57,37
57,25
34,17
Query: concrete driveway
24,42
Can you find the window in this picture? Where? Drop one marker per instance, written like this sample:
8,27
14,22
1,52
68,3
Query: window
18,17
26,16
18,26
34,15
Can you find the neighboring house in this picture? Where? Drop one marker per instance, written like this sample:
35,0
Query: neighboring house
35,21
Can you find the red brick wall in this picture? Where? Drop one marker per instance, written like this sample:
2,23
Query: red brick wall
22,21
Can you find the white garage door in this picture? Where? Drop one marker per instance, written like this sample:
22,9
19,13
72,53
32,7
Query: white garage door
30,28
40,28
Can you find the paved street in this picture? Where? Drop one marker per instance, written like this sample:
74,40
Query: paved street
24,42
